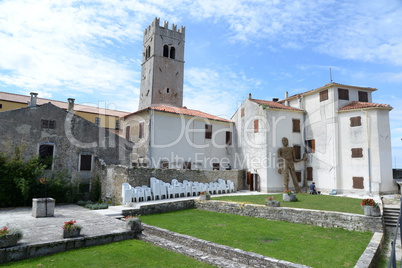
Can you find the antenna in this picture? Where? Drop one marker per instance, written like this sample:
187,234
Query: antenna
330,74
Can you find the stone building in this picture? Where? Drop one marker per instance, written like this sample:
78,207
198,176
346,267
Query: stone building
63,140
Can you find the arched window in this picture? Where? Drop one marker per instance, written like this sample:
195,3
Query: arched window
172,53
165,51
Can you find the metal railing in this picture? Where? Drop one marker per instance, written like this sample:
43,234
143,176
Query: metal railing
392,258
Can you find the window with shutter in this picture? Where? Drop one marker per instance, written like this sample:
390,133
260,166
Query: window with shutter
296,125
242,112
355,121
297,149
324,95
343,94
309,173
357,152
310,146
256,126
298,176
127,132
358,182
363,96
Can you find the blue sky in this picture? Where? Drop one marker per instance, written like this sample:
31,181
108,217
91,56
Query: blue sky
91,50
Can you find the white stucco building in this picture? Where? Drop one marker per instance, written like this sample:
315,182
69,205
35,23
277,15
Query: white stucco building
345,135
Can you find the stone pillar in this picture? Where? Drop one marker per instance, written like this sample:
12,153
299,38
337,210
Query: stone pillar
43,207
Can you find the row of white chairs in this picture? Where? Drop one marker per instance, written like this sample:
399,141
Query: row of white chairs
162,190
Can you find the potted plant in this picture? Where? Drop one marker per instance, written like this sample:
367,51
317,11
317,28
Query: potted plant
371,208
205,195
289,196
271,202
9,237
133,224
70,229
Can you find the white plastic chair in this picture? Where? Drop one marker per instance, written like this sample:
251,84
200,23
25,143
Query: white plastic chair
147,193
231,186
126,192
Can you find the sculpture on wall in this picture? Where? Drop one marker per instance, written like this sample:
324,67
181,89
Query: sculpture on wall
286,161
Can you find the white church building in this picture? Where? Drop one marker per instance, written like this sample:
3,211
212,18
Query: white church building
345,135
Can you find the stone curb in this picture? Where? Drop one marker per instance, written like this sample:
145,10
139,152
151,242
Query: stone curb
21,252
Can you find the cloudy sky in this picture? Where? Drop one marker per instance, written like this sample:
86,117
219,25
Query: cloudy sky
91,50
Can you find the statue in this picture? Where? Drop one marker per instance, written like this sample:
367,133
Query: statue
286,160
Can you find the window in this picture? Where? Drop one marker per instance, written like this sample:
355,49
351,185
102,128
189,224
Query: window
117,124
310,144
215,166
298,176
165,51
164,164
358,182
242,112
343,94
296,125
355,121
208,131
324,95
297,149
127,132
46,155
49,124
1,106
167,90
85,162
172,53
228,138
357,152
309,173
256,126
141,130
363,96
97,121
187,165
148,52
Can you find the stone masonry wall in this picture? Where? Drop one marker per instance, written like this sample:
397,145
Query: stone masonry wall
113,176
326,219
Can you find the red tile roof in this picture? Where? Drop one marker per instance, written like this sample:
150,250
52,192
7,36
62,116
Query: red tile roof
181,111
275,105
325,87
363,105
64,105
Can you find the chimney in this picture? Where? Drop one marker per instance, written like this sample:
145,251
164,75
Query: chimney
34,97
70,105
249,96
286,96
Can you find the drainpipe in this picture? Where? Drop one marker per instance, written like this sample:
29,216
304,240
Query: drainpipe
150,137
368,151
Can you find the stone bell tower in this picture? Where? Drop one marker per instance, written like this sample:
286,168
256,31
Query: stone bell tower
162,66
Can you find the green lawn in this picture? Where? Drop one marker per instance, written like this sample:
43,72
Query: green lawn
307,201
128,253
305,244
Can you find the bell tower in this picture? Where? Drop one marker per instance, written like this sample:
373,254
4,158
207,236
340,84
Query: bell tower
162,65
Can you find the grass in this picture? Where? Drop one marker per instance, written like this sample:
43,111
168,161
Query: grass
304,244
128,253
307,201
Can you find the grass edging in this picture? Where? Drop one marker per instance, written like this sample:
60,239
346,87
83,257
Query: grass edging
241,256
372,254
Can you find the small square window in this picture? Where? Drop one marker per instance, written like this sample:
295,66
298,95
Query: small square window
324,95
355,121
343,94
358,182
52,124
44,123
215,166
187,165
357,152
164,164
363,96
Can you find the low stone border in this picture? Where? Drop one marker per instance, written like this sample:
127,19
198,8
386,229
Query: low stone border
327,219
371,255
169,206
21,252
234,254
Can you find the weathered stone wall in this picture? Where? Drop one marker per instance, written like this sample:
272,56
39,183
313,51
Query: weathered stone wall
114,176
321,218
160,208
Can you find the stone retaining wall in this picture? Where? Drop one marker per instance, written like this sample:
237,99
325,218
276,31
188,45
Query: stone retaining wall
21,252
328,219
160,208
241,256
